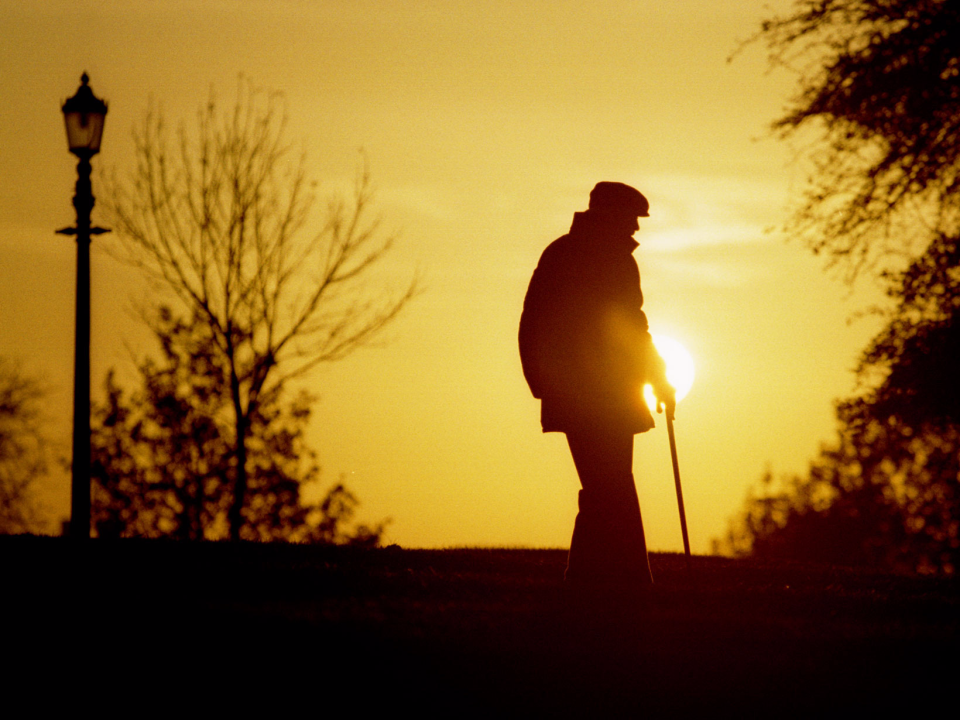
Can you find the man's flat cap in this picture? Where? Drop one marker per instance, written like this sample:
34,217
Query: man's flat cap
617,197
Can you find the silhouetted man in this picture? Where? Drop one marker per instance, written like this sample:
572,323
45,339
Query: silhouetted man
587,352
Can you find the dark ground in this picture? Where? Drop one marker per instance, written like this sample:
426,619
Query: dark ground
138,625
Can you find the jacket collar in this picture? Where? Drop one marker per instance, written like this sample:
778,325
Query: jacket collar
590,229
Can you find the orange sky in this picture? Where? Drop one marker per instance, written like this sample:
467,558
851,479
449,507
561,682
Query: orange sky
485,124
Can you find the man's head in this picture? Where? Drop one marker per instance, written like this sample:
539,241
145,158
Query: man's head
618,206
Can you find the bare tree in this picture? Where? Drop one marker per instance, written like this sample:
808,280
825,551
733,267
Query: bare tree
223,218
23,449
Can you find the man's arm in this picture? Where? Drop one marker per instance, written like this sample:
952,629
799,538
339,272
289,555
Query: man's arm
665,393
656,375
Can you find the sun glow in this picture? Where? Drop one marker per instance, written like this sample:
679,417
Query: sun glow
680,369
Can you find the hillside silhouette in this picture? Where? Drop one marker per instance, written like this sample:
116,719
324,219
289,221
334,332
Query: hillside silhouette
466,632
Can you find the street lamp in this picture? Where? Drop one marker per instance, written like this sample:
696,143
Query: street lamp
83,115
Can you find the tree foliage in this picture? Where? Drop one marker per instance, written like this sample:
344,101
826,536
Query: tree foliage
887,95
885,495
23,449
222,219
165,460
887,492
880,80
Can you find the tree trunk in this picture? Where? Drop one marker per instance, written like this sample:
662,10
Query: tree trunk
240,484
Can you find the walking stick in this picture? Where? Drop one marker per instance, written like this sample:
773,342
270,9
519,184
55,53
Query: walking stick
676,478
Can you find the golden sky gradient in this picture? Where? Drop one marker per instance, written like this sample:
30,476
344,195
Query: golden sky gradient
485,125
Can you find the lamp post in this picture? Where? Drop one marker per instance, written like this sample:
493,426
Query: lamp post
83,115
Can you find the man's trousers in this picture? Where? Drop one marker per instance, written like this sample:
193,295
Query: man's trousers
608,552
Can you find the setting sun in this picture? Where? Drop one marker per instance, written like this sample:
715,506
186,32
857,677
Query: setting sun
680,369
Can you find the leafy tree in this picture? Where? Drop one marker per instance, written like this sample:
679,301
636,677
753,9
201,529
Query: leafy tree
879,80
222,219
23,449
164,464
884,196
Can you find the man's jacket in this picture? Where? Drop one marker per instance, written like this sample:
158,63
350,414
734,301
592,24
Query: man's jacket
584,341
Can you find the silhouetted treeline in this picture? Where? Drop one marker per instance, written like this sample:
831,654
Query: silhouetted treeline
887,491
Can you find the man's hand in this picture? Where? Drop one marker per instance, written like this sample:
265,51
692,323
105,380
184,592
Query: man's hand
666,400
